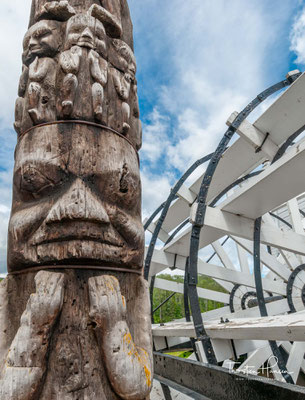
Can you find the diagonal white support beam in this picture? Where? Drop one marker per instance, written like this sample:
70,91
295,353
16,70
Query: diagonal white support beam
221,273
163,235
255,360
202,293
295,359
219,223
267,259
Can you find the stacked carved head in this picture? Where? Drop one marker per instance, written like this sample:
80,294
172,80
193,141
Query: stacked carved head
76,191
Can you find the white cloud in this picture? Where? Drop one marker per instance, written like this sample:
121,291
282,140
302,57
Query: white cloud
297,37
14,17
156,189
217,60
155,137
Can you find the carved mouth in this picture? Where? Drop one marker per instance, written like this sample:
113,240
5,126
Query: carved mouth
35,49
73,231
85,43
80,238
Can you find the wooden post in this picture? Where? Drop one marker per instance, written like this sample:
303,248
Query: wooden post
74,309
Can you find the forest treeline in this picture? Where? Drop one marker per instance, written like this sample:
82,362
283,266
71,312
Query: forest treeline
174,308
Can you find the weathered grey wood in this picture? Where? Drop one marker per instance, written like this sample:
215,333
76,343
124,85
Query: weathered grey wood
108,311
25,363
71,362
79,329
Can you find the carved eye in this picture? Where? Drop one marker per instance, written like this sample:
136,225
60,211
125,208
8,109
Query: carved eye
34,182
40,33
76,28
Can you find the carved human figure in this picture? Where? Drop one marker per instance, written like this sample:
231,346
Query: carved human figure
41,44
19,106
75,199
84,32
123,75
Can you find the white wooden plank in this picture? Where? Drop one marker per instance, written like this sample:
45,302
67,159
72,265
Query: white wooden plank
265,191
267,259
243,259
202,293
228,364
178,212
186,194
286,115
295,215
219,223
288,346
296,220
285,327
238,277
247,346
163,235
295,359
228,171
222,349
221,273
255,137
224,258
255,360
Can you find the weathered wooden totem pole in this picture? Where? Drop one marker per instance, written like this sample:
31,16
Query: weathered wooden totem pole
74,309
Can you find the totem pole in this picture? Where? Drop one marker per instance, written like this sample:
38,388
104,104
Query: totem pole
74,309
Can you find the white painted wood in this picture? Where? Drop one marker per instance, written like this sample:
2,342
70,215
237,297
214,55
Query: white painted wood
228,364
219,223
286,115
243,259
295,360
295,215
186,194
178,212
157,393
159,343
255,137
255,360
248,346
265,191
227,263
267,259
288,346
285,327
202,293
163,235
221,273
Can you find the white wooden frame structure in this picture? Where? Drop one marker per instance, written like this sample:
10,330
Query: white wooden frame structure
238,328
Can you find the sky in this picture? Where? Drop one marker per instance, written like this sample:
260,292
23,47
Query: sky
198,61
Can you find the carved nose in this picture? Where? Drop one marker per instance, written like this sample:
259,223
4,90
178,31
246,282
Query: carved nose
78,203
33,43
87,34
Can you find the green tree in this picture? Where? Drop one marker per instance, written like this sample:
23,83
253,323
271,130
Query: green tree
174,308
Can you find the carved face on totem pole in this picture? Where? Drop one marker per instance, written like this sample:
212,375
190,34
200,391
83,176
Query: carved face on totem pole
76,193
85,31
42,40
76,199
